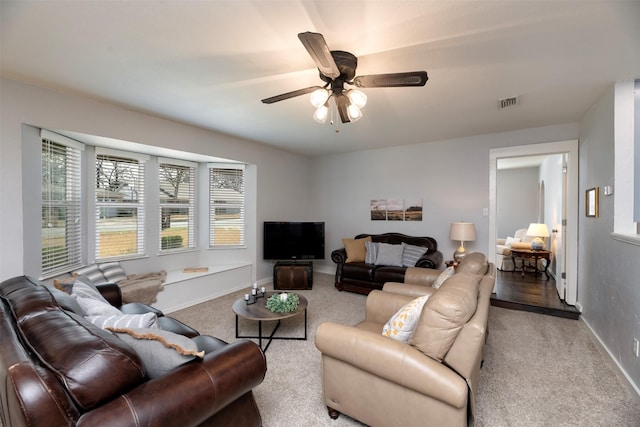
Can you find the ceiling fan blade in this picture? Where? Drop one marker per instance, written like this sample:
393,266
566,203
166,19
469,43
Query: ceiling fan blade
342,102
288,95
320,53
412,78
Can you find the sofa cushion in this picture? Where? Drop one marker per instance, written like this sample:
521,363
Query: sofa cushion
358,271
385,273
444,314
474,263
161,351
510,240
372,252
94,365
389,254
411,254
401,325
355,248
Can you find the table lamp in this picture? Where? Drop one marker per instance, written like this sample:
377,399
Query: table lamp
537,231
463,232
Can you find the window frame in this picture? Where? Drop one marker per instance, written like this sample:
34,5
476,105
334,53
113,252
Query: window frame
71,204
625,228
215,201
139,187
190,205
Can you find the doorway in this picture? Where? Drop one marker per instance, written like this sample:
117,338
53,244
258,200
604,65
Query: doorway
565,236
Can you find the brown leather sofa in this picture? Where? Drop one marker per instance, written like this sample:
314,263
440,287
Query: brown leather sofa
362,278
431,380
58,369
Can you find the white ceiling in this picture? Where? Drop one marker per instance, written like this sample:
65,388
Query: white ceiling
209,63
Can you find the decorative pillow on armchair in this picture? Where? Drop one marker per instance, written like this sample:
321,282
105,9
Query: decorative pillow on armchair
356,250
401,325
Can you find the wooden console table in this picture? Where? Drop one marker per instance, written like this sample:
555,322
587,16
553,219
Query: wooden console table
531,254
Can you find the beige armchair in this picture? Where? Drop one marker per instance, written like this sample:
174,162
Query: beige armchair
431,379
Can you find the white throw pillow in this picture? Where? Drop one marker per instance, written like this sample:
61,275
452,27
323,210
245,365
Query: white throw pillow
146,320
401,325
448,272
93,307
511,240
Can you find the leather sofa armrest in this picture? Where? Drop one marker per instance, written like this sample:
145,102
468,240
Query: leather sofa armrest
430,260
339,256
111,292
394,361
189,395
408,289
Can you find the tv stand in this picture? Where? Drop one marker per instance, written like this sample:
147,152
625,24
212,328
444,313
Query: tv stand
294,274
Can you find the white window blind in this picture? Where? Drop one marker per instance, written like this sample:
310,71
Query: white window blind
119,205
226,206
177,204
61,227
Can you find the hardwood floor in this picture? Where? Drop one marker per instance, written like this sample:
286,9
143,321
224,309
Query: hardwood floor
530,293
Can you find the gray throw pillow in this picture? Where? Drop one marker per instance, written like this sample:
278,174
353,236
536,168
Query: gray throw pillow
411,254
389,254
372,252
160,351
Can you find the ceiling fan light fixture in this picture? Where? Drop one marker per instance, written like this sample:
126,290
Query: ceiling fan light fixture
357,98
319,97
354,113
321,114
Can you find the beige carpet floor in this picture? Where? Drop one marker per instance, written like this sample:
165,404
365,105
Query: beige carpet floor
539,370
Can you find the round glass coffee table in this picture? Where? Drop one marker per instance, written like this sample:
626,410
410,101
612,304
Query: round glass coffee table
260,313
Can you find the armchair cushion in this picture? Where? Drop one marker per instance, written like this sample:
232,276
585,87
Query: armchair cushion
444,314
356,250
510,240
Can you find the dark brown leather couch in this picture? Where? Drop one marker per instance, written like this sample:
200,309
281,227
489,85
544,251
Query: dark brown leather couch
362,278
57,369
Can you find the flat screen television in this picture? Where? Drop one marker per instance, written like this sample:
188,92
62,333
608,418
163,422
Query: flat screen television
293,240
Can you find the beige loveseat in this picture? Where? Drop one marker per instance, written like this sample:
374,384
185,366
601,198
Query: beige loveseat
430,380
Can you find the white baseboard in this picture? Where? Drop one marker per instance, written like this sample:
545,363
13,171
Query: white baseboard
620,368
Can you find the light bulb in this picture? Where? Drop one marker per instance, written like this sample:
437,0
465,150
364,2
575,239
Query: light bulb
354,113
319,97
357,98
321,114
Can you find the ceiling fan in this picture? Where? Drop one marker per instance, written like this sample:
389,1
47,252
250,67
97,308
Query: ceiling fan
338,68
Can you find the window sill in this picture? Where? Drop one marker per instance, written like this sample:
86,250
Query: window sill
632,239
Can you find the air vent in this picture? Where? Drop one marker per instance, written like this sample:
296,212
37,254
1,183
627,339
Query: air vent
507,102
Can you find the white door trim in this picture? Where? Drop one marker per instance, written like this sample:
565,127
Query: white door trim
571,148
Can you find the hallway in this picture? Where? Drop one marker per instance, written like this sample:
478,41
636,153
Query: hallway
530,293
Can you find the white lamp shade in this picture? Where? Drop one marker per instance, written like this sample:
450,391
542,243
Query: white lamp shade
354,113
319,97
321,114
462,231
538,230
357,98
